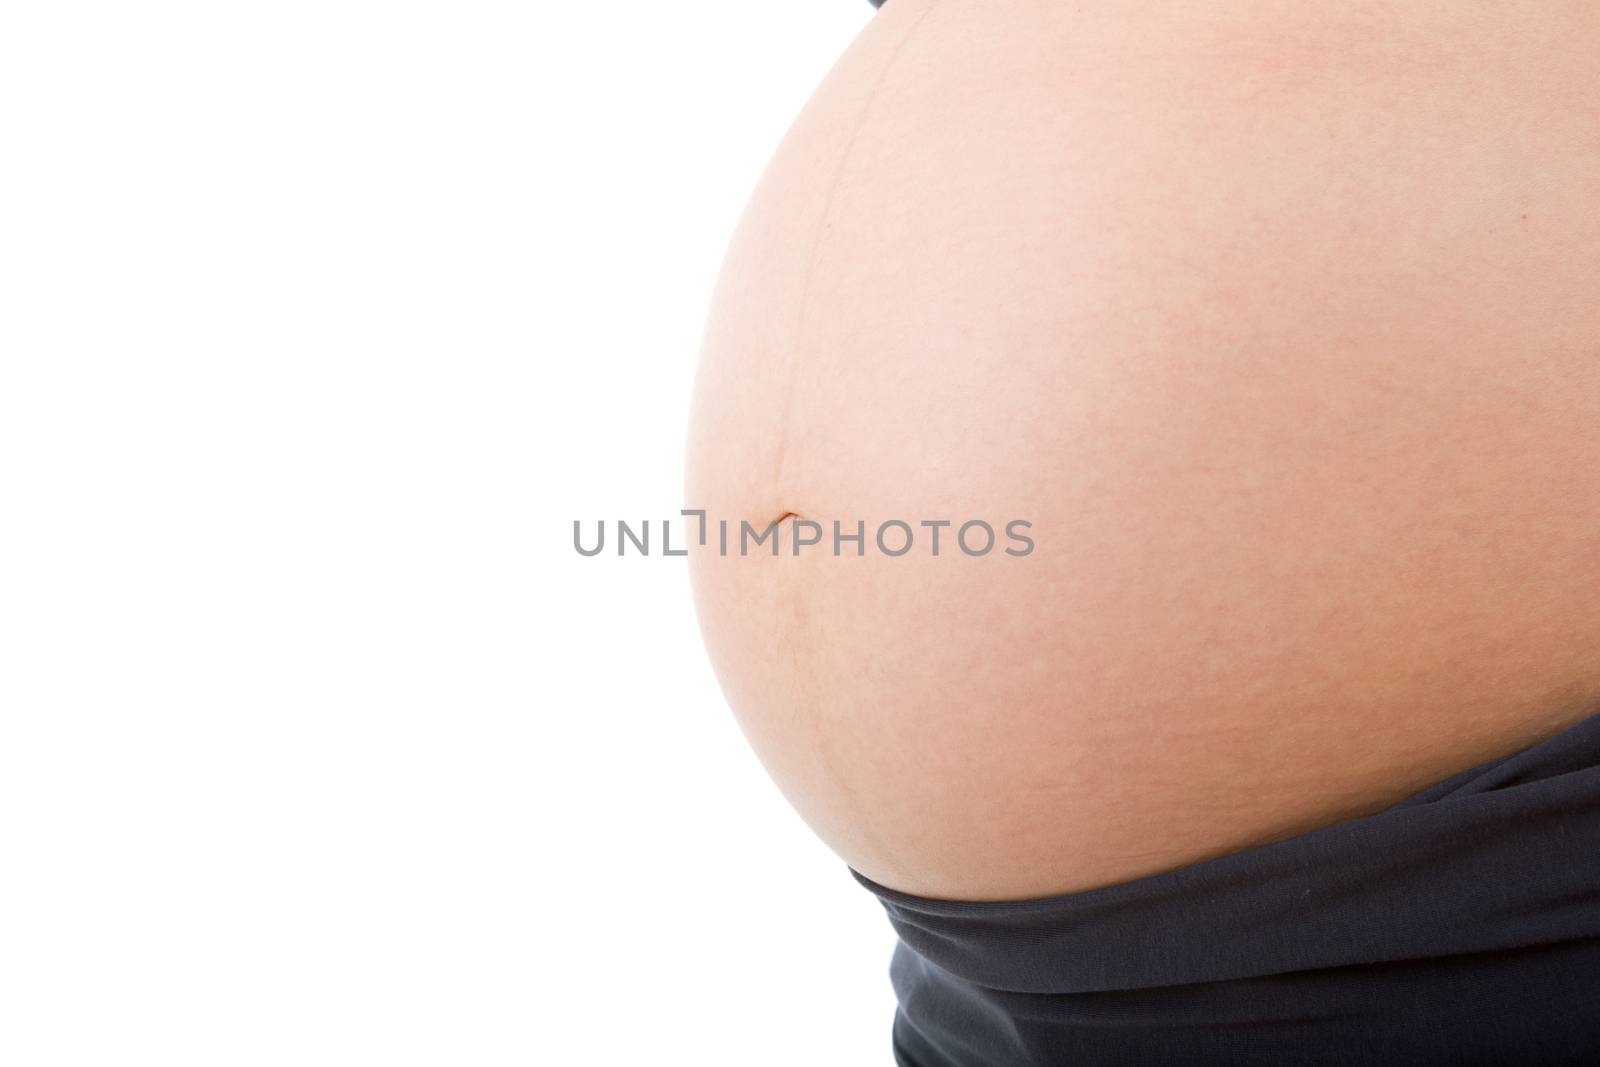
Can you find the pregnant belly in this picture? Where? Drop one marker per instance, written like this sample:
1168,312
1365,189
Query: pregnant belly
1281,329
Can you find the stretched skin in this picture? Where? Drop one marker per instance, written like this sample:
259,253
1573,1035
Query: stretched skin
1281,324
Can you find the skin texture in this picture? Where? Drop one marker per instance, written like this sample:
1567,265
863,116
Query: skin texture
1281,324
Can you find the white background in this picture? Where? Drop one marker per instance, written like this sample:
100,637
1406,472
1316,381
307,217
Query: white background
319,324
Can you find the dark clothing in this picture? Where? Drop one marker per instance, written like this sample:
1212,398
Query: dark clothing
1460,926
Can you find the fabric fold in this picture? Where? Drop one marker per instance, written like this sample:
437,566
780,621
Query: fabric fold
1475,903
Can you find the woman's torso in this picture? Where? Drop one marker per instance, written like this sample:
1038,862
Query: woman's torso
1281,325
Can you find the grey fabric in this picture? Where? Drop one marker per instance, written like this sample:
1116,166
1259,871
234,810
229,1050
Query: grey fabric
1460,926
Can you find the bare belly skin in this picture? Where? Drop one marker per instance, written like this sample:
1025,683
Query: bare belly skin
1280,322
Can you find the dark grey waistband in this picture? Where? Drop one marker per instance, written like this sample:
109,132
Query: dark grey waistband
1504,856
